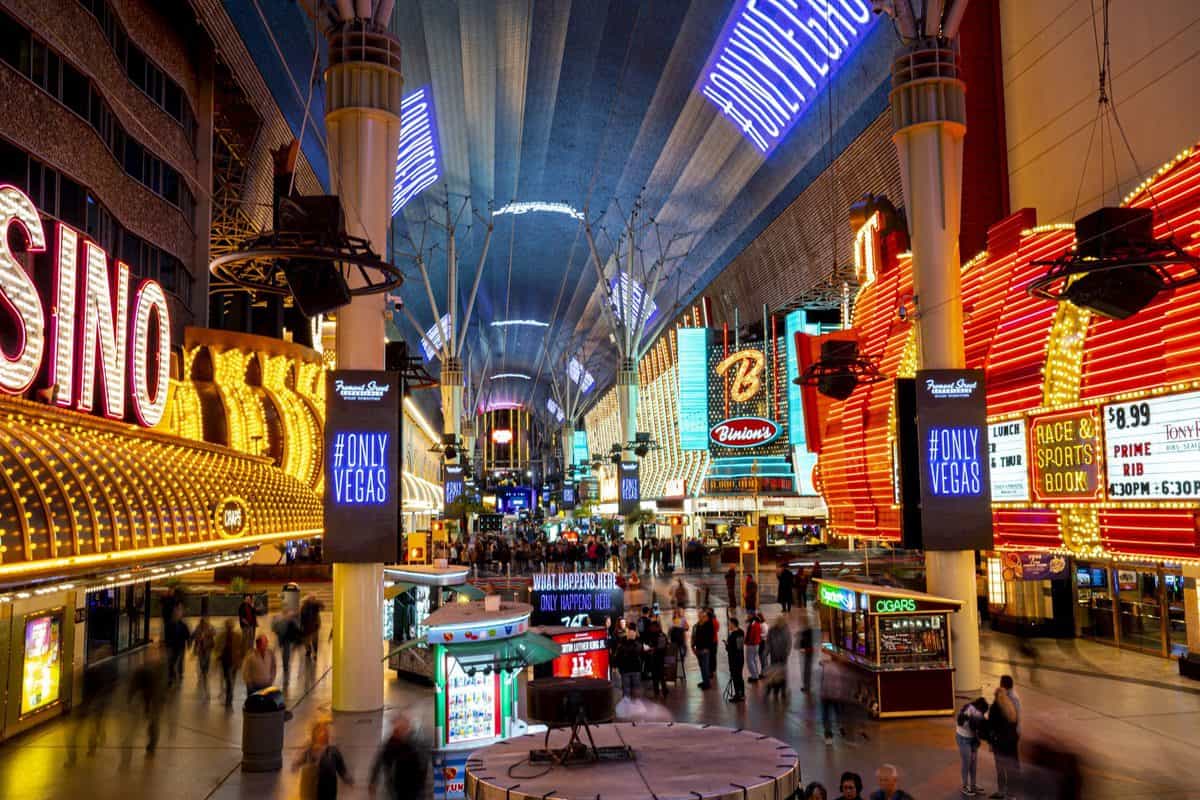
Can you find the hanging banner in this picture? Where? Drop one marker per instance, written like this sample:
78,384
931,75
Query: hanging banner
956,509
362,466
1033,566
630,487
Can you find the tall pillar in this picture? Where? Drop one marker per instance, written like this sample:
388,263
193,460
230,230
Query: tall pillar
452,395
567,438
362,122
929,116
627,409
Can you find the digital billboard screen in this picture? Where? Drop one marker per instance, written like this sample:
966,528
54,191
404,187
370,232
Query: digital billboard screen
362,466
41,671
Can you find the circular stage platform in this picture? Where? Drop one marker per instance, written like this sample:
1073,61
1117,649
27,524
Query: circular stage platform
671,761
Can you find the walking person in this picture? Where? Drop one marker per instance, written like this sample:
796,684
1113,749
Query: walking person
288,636
248,618
1003,735
802,579
320,764
715,645
835,689
258,668
229,655
807,646
785,588
735,648
203,641
657,657
754,638
702,639
967,734
851,786
629,665
779,647
751,594
681,594
310,625
147,693
400,766
177,637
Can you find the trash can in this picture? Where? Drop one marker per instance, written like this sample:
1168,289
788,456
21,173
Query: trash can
290,598
263,716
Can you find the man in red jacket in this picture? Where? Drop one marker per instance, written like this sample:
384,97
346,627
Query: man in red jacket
753,640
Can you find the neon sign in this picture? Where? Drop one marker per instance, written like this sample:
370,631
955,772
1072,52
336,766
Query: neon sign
894,605
91,327
417,156
775,56
359,468
748,378
954,461
836,597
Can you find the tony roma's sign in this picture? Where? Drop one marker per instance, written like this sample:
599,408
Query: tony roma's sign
362,466
1152,448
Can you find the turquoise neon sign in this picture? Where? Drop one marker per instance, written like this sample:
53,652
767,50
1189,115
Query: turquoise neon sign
844,599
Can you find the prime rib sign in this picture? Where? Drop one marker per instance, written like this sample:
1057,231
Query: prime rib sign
87,324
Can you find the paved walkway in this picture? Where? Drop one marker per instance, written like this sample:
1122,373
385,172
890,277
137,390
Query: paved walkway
1132,721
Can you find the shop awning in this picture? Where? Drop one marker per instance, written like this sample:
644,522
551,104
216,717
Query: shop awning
396,589
519,652
420,496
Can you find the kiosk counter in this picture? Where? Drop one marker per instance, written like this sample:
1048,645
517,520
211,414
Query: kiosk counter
897,641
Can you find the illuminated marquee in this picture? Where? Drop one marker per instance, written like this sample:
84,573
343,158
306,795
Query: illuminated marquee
748,378
91,328
417,156
775,56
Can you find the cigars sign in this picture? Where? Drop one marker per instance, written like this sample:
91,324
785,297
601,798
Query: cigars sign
91,334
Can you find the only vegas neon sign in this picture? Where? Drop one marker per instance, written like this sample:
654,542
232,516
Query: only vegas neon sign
89,324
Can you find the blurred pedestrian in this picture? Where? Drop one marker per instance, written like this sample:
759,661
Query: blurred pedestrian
288,635
99,683
815,791
629,664
731,588
147,693
851,786
400,766
177,637
889,785
751,594
806,644
779,647
320,764
229,655
1053,773
802,579
681,594
677,635
310,624
204,639
1003,735
258,668
735,652
968,731
754,638
835,690
657,657
248,618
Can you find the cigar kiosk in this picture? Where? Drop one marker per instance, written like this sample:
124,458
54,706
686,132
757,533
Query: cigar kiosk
479,650
897,641
413,592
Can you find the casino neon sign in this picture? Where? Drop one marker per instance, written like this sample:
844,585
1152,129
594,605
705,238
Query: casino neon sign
91,325
775,56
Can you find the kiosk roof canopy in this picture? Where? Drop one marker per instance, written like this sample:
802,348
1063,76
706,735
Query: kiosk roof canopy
922,600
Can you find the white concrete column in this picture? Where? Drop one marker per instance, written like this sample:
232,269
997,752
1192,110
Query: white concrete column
452,395
1191,606
363,126
929,116
627,409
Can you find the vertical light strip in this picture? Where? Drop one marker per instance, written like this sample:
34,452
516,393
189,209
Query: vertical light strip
105,326
62,345
17,292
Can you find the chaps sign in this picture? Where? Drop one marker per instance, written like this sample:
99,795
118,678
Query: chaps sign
744,432
91,327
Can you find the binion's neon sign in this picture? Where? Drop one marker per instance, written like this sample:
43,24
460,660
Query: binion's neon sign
774,56
91,325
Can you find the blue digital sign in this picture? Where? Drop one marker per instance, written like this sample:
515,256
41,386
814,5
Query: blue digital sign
359,468
630,488
452,486
692,344
954,461
775,56
417,158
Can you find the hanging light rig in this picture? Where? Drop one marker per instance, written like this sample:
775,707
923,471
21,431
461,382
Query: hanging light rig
308,254
1117,267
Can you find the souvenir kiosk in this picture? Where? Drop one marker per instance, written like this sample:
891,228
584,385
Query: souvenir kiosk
411,593
896,641
479,650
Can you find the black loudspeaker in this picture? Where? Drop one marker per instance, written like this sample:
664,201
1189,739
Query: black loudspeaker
908,464
317,285
1106,230
1115,293
395,356
838,380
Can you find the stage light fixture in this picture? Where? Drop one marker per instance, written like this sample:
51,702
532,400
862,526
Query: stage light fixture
840,369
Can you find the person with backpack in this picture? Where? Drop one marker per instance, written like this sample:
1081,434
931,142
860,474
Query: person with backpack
969,731
1003,719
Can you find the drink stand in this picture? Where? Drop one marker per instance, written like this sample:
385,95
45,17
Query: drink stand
411,593
479,650
896,641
